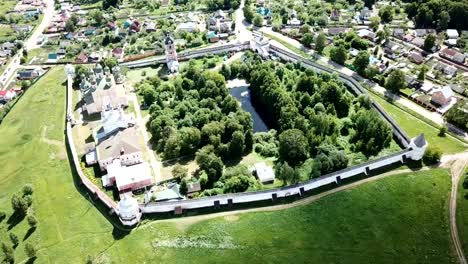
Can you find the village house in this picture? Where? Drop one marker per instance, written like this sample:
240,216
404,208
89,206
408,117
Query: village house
171,193
118,53
187,27
392,50
365,14
452,34
335,15
442,97
449,70
122,145
416,57
29,74
81,58
7,95
336,31
452,55
418,42
127,178
398,33
367,34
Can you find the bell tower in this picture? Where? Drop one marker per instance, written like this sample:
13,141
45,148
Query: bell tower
171,54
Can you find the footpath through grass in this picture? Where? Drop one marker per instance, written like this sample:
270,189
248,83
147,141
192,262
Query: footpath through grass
397,219
462,213
413,127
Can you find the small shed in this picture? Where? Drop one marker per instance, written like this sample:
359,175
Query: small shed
264,173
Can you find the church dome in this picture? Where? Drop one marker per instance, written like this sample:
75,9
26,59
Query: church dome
128,208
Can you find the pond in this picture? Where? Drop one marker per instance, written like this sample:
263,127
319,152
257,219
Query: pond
240,90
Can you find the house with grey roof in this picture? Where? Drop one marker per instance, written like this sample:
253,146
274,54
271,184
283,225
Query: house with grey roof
123,145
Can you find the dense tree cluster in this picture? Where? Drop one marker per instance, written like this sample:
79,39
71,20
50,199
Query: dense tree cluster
195,110
214,5
311,112
439,14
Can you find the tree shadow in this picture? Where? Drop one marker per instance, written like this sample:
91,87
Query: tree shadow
29,233
31,260
15,219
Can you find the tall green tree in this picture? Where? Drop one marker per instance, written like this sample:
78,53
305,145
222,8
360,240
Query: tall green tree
293,147
361,62
320,43
371,133
339,54
307,39
396,81
429,42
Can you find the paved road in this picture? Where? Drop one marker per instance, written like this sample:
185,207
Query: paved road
31,43
242,33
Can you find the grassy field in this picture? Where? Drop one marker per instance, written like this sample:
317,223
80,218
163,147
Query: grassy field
413,127
7,5
462,213
396,219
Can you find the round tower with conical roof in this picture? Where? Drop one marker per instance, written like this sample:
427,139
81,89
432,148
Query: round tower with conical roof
129,211
418,146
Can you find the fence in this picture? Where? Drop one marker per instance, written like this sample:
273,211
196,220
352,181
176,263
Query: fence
249,197
95,191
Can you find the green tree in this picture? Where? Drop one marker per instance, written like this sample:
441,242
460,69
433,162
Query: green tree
374,22
8,253
237,144
458,114
27,189
444,20
293,146
106,4
320,43
361,62
432,155
307,39
396,81
14,239
183,188
286,173
371,133
258,20
248,14
422,73
338,54
442,131
110,62
97,16
179,172
386,13
19,204
429,42
32,221
30,250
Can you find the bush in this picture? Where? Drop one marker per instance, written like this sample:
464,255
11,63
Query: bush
2,216
30,250
432,156
32,221
27,189
442,131
14,239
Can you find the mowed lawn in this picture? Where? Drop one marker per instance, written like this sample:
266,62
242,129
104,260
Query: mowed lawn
398,219
414,126
462,213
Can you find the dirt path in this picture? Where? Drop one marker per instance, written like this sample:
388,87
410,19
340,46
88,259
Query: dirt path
183,222
456,168
61,154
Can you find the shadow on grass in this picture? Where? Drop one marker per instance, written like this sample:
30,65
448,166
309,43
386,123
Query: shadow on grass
15,219
29,233
31,260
